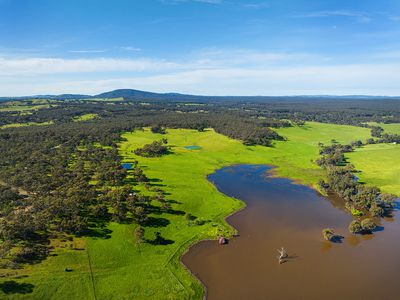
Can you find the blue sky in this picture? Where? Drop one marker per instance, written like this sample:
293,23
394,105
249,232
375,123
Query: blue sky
212,47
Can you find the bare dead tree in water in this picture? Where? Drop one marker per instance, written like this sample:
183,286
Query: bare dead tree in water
282,255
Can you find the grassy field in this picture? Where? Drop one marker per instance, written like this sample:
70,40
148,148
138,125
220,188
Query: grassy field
85,117
379,165
114,268
21,108
25,124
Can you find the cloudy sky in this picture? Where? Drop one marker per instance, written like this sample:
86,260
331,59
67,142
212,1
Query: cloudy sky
210,47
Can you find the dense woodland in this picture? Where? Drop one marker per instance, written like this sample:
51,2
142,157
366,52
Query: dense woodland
65,179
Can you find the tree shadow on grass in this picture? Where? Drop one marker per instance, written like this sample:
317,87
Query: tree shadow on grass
32,254
156,222
175,212
13,287
174,202
159,240
158,211
99,232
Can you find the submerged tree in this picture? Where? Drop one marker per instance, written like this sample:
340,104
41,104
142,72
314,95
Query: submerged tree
355,227
368,225
328,234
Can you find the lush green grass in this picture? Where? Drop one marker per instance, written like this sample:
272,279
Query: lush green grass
25,124
379,165
388,128
123,270
19,108
85,117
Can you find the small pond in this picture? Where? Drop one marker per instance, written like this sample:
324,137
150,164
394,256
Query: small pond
193,147
127,166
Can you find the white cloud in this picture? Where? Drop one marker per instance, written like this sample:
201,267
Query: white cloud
359,16
130,48
87,51
209,72
36,66
344,79
257,5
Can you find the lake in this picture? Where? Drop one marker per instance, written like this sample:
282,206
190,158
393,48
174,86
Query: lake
279,214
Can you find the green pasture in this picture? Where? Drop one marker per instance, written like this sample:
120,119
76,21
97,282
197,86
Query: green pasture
379,165
21,108
25,124
85,117
393,128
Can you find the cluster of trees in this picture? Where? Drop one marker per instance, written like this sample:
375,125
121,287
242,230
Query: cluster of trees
360,199
158,129
155,149
365,226
333,155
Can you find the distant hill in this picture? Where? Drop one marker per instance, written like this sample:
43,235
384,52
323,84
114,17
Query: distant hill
138,95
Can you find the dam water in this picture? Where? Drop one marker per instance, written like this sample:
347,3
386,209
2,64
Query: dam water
279,214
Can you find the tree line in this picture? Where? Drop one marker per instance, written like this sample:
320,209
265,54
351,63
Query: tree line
363,202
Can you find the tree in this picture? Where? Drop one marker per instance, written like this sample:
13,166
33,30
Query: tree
100,211
376,211
158,129
119,211
139,235
355,227
139,215
328,234
368,225
155,149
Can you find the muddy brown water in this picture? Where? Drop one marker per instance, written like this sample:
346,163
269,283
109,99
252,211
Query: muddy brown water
281,213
